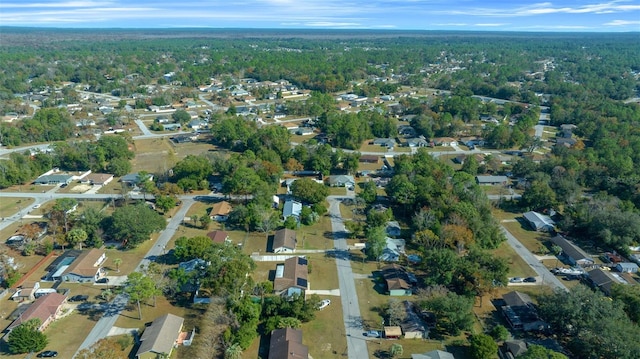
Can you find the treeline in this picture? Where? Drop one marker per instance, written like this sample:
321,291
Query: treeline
108,154
46,125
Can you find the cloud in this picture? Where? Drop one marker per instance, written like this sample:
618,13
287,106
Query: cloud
452,24
544,8
622,23
332,24
491,24
62,4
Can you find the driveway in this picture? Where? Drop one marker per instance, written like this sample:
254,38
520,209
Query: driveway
356,342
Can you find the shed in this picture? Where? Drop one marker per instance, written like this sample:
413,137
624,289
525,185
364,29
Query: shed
539,221
627,267
491,180
392,332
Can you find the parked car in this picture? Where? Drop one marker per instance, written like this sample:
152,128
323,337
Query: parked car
372,334
37,206
103,280
79,298
516,280
530,280
48,354
63,185
324,303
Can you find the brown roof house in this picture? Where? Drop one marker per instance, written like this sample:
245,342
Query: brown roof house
97,179
291,277
220,211
87,267
218,236
397,280
284,241
46,308
160,337
287,344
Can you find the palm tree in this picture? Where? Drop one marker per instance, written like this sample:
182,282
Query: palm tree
117,263
234,351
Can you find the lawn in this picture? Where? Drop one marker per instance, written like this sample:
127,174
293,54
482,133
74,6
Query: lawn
495,190
28,188
533,241
70,330
10,205
322,272
517,266
129,317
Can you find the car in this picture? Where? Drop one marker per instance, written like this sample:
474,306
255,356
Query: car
103,280
79,298
530,280
48,354
63,185
372,334
516,280
37,206
324,303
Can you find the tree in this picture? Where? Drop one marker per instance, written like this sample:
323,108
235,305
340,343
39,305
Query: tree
139,287
369,192
289,322
483,347
309,191
396,312
396,350
106,348
191,248
205,221
266,221
27,338
233,351
535,351
454,312
500,333
376,242
65,206
117,262
133,224
629,295
76,236
181,116
165,203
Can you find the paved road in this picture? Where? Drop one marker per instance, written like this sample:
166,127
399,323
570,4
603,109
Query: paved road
544,274
356,342
143,128
104,325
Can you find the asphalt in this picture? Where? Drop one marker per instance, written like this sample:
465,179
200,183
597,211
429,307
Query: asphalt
111,314
545,276
356,341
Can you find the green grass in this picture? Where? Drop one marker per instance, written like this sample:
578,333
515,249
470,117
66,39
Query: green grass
322,274
10,205
517,266
532,240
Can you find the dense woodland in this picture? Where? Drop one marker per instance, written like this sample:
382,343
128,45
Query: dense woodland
583,80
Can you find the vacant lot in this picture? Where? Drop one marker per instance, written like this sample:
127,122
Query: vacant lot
532,240
10,205
517,266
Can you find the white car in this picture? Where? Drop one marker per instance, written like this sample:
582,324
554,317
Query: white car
324,303
516,280
36,206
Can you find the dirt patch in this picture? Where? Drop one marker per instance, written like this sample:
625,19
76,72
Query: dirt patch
81,188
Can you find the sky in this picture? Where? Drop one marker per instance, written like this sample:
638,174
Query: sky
473,15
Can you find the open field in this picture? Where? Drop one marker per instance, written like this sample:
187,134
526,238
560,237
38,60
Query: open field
10,206
517,266
28,188
532,240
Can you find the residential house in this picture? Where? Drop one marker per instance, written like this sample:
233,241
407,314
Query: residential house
511,349
602,280
407,131
304,131
434,354
566,142
444,141
567,130
520,312
392,332
220,211
160,337
286,343
369,159
291,277
87,267
46,308
284,241
61,263
394,247
412,326
393,229
491,180
97,179
196,124
342,181
53,179
397,280
573,254
132,179
218,236
539,221
385,142
292,208
415,142
194,264
627,267
26,292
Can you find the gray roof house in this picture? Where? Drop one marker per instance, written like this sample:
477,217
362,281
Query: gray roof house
385,142
627,267
492,180
342,181
434,354
53,179
284,241
134,178
160,337
520,312
539,222
571,252
602,280
417,142
292,208
393,229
